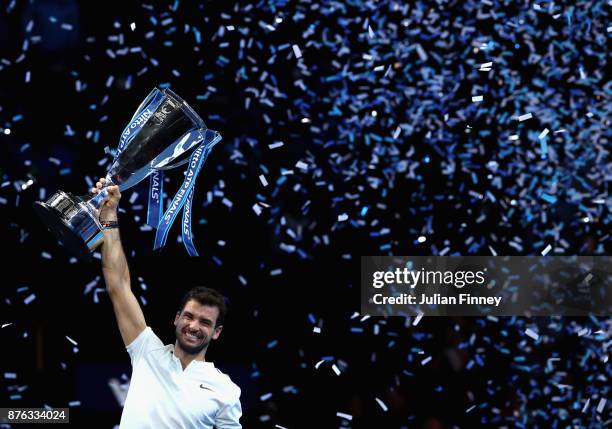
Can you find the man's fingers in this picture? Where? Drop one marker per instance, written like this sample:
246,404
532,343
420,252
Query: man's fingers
114,191
95,190
103,180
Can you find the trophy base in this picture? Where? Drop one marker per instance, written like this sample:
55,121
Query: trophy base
72,222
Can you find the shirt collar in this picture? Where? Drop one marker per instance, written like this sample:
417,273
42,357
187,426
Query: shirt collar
194,363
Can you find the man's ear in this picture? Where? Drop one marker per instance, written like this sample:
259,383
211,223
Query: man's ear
176,318
217,332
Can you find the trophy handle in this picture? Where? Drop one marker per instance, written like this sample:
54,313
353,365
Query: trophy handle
213,141
178,164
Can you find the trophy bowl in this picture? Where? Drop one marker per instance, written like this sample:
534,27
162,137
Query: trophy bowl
163,129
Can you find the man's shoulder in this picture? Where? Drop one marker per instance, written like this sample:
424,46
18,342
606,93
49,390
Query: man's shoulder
155,343
229,386
146,342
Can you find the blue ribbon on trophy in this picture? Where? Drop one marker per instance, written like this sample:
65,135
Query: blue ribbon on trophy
184,197
203,140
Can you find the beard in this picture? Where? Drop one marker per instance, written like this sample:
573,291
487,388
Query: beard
190,348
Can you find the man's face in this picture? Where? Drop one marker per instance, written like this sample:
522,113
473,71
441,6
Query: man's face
195,326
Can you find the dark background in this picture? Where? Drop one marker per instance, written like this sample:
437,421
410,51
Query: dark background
268,345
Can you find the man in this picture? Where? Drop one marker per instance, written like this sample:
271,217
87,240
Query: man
172,386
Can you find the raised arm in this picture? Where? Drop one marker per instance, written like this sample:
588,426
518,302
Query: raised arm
128,313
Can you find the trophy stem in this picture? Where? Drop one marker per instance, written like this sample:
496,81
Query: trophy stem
95,200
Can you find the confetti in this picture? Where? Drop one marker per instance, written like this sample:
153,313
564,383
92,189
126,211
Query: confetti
381,404
344,416
547,249
417,319
296,51
543,134
532,334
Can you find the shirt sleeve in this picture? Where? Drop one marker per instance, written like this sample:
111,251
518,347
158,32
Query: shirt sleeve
144,342
228,417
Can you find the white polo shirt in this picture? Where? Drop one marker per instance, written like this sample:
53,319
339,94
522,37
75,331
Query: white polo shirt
162,395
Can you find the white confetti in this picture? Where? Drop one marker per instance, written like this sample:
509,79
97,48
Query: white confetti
532,334
275,145
382,404
397,132
586,405
601,405
344,416
417,319
296,51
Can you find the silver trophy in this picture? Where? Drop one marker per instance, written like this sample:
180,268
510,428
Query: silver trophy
162,131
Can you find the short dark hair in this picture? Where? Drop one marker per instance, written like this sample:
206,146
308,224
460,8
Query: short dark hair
206,296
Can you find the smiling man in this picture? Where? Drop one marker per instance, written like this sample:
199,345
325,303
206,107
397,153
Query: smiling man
172,386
